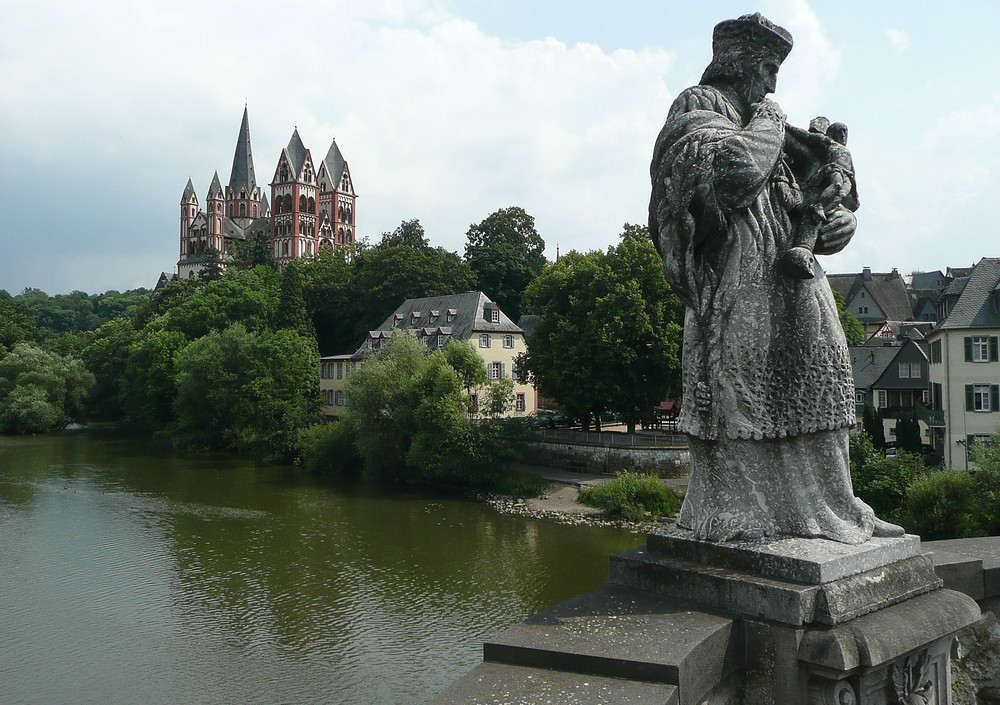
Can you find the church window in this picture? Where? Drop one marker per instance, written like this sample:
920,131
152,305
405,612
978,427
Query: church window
312,205
255,211
286,248
243,210
230,210
288,203
302,204
340,213
349,235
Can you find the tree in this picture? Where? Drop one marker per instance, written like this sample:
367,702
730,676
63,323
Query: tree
213,268
409,418
246,390
610,333
410,233
40,391
149,384
506,253
871,424
854,330
255,251
17,323
908,435
105,355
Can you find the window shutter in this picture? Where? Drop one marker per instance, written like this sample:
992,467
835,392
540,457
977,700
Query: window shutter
503,370
970,403
994,349
995,397
968,349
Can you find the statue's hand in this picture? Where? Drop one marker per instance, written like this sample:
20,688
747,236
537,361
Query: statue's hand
836,232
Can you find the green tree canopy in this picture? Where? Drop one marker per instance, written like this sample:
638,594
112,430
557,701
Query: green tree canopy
40,391
506,253
246,390
610,333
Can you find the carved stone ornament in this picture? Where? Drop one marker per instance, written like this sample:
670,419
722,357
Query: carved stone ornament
910,680
826,692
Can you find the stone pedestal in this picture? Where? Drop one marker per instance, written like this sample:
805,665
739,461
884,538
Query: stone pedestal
685,622
822,622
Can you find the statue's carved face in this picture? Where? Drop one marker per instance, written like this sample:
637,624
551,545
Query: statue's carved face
759,80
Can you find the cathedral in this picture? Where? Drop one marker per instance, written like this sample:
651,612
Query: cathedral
311,206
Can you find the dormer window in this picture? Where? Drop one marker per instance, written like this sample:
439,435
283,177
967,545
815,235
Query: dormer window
434,316
397,320
414,316
450,315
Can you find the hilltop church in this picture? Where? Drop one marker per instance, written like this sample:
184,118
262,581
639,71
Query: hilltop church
311,206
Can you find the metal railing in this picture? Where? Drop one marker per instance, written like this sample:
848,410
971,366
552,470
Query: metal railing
615,439
932,417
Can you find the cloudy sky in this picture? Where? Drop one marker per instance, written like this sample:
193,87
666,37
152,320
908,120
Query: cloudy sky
447,110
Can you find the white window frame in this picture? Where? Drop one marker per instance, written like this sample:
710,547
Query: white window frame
881,398
484,340
508,341
980,348
495,370
981,398
494,315
519,404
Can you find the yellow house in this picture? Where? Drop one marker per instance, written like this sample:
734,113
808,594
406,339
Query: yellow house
437,320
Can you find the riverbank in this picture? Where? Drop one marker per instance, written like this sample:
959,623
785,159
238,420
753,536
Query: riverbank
559,502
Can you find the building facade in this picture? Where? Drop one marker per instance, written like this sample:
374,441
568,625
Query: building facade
436,321
964,370
312,208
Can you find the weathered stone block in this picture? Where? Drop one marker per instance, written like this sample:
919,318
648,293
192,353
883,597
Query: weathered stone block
800,560
492,683
620,633
960,572
782,601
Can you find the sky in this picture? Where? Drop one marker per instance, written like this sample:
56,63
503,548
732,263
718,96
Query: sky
447,110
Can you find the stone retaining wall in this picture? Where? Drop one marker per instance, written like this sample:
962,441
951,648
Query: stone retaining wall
665,462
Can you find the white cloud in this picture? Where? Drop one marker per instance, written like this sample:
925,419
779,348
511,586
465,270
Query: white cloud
899,40
438,120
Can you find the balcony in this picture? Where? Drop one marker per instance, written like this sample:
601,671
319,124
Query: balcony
934,418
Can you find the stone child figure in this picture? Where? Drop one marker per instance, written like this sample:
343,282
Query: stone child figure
822,155
768,390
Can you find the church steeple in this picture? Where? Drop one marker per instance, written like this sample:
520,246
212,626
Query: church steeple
242,173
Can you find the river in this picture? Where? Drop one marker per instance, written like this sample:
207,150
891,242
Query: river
132,573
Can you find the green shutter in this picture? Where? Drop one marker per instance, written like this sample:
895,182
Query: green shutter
995,397
994,356
970,403
968,349
503,370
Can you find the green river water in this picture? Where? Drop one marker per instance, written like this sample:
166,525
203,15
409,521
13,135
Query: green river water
131,573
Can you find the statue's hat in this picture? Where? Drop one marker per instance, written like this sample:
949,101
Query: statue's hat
753,28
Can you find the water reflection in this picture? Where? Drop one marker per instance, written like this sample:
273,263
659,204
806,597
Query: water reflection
131,573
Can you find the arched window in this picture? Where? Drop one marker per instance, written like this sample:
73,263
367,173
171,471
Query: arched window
340,213
302,204
286,248
230,210
340,235
288,202
349,235
255,211
312,205
350,215
243,210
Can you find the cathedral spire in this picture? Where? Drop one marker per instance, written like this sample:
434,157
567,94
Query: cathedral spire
242,174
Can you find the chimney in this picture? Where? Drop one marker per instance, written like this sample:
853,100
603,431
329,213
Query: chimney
866,274
894,274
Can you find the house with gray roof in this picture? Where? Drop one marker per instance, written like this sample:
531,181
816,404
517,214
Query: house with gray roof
437,321
964,352
893,379
874,298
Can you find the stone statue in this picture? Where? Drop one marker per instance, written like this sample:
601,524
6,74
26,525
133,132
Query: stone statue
768,389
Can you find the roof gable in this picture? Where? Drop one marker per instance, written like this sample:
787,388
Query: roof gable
976,306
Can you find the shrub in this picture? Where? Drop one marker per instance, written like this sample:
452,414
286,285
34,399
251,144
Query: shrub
882,482
943,505
328,449
631,495
514,483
